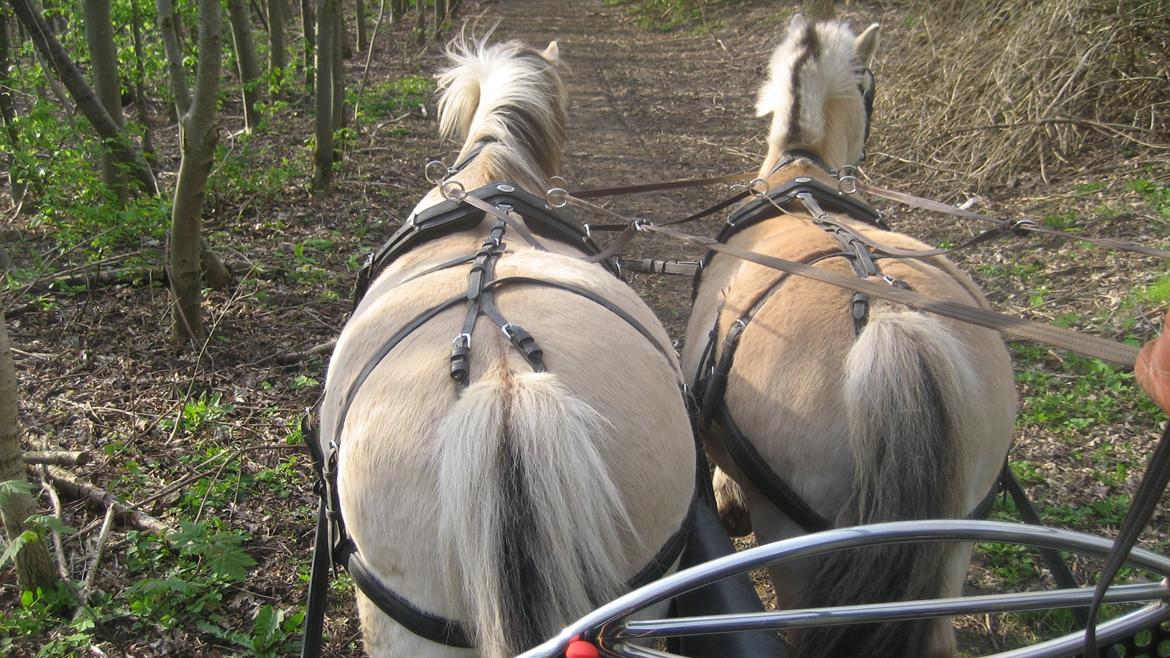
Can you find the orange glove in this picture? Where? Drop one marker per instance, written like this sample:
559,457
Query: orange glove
1153,367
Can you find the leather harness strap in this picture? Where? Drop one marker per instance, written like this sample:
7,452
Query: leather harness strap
452,216
333,544
711,377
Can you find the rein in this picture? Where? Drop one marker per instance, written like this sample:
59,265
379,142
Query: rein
1073,341
1028,226
1067,339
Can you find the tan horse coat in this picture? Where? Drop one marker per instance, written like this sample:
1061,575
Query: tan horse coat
602,438
809,394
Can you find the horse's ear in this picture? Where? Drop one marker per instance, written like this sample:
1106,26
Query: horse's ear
552,53
866,45
797,23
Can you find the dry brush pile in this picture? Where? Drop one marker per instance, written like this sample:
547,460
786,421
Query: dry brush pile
981,91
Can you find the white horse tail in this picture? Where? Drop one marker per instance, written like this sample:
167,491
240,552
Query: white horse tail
907,384
532,526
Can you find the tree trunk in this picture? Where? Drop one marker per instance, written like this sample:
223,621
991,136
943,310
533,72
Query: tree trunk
34,567
84,96
8,114
326,33
440,16
169,28
421,20
397,8
99,35
360,10
140,82
342,40
277,58
337,107
307,21
245,59
198,137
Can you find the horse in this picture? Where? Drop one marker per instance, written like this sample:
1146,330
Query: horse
824,408
505,418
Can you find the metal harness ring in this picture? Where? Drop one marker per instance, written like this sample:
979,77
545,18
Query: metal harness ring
847,180
436,172
452,190
556,197
758,188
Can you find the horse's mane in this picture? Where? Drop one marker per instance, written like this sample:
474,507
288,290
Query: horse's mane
813,64
510,95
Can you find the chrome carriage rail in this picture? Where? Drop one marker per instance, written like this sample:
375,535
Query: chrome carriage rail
611,630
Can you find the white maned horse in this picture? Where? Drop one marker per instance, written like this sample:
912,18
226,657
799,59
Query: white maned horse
510,503
899,415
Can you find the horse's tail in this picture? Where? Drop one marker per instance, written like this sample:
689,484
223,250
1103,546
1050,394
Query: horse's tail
907,383
532,525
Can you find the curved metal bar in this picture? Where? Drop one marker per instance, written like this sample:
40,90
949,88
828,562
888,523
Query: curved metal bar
880,612
602,624
1107,633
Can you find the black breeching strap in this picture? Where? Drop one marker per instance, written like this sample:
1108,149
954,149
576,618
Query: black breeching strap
333,547
739,448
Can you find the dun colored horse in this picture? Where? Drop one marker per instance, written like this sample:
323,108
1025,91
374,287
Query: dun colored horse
498,489
861,411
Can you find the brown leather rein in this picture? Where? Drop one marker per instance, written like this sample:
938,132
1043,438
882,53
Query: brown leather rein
1067,339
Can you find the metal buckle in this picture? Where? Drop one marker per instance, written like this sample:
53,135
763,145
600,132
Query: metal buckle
1021,226
462,340
507,328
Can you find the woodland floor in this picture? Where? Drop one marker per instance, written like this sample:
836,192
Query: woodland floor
97,371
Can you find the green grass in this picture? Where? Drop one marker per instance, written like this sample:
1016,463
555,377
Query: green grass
1155,194
391,98
666,15
1084,393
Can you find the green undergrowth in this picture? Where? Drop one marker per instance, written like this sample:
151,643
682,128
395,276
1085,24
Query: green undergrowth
391,98
189,578
669,15
1075,393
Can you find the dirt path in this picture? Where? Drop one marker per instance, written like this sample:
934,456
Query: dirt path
645,107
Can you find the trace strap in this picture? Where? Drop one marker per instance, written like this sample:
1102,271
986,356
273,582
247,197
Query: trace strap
1032,227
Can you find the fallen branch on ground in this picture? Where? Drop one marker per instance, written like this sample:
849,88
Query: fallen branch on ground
72,486
290,358
57,457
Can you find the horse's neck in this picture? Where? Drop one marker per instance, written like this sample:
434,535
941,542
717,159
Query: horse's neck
833,148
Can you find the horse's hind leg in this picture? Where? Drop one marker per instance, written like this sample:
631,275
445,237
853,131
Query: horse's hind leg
732,506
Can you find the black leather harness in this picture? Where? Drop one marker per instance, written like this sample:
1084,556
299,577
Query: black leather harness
711,376
334,547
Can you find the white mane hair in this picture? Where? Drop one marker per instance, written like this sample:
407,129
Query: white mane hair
508,94
816,63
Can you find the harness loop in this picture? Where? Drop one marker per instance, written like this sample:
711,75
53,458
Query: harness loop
452,190
558,197
435,172
847,180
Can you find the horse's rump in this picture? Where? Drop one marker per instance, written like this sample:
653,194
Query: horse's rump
451,494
